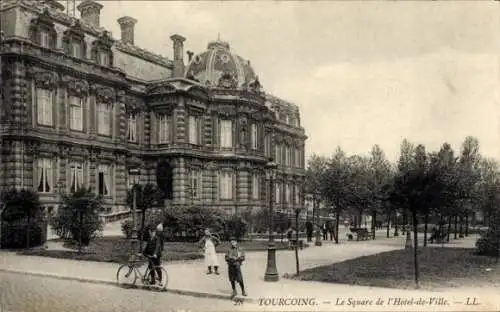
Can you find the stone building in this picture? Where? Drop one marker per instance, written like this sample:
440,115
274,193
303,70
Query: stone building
81,108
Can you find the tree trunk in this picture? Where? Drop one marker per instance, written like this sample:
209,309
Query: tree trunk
426,224
396,222
456,227
415,248
405,219
28,222
80,221
441,221
374,221
461,227
388,223
467,224
337,228
449,229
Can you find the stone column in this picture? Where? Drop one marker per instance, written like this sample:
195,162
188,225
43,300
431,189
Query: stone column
179,123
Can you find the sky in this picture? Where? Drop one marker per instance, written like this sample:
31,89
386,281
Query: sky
361,72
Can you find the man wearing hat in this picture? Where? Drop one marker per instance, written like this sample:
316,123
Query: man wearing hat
153,251
234,258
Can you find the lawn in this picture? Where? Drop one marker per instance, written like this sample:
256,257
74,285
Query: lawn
439,267
117,249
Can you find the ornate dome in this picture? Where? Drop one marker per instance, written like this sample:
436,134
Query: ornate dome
219,67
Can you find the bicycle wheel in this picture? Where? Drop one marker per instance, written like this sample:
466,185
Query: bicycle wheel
160,284
126,275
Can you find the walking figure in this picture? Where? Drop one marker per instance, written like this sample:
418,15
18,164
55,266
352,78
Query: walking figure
234,258
208,242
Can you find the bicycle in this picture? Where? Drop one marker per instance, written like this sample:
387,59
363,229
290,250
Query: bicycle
132,272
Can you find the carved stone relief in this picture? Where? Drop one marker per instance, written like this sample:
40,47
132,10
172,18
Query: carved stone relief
43,78
77,86
104,94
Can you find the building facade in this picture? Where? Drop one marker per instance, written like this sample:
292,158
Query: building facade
83,109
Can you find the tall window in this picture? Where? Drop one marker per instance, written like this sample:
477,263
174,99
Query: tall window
287,155
254,136
76,113
267,144
287,193
164,128
278,154
297,194
76,176
226,133
45,175
104,180
132,128
196,184
226,185
103,58
297,157
194,130
44,39
76,49
277,195
104,118
44,107
255,186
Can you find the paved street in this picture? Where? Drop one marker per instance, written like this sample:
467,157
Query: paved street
22,293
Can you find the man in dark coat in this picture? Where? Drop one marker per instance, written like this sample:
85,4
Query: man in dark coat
234,258
153,251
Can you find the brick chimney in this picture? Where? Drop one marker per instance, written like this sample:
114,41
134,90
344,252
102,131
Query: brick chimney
90,12
178,55
127,25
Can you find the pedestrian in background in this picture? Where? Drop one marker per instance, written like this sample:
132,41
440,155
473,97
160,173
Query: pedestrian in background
234,258
208,243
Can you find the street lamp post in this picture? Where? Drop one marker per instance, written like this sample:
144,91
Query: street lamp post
271,270
2,208
297,213
133,241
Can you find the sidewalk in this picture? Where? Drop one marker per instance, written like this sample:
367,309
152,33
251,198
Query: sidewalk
189,278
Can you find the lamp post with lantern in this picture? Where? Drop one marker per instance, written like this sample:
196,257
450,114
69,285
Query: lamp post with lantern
271,274
297,213
133,242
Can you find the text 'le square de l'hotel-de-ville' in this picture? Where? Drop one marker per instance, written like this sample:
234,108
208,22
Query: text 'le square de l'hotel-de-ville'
83,109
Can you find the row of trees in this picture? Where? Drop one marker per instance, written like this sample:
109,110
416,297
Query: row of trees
422,186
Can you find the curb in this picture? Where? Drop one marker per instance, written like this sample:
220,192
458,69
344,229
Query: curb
191,293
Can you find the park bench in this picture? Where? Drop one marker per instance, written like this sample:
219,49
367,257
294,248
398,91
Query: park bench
361,233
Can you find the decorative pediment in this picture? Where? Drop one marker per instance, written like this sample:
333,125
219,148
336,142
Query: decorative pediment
43,78
75,31
228,81
133,162
104,94
76,86
132,104
195,163
44,19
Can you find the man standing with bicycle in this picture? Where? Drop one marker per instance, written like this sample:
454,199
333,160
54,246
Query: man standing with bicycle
153,251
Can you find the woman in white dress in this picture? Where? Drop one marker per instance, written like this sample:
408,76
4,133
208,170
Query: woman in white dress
208,242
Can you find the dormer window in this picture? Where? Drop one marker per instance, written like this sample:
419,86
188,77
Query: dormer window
42,31
101,50
74,43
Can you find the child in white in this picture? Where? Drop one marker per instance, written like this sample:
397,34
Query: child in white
209,242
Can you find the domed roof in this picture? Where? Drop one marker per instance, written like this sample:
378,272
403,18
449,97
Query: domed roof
219,67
